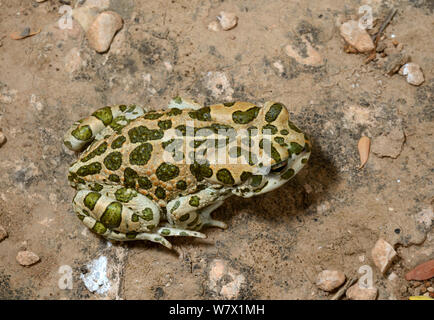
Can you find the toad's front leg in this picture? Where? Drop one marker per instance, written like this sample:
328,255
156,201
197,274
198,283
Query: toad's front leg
194,211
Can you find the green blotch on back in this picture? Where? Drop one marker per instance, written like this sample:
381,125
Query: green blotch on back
270,128
293,127
130,177
177,100
93,168
82,133
112,215
91,199
141,154
118,142
152,115
200,171
97,152
284,132
99,228
167,171
194,201
174,112
104,114
143,134
144,183
160,193
135,218
165,124
147,214
228,104
273,112
243,117
114,178
295,148
113,160
119,123
123,107
280,141
181,185
245,176
203,114
275,155
225,176
125,195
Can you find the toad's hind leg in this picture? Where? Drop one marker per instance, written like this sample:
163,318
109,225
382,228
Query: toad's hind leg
102,122
122,214
119,214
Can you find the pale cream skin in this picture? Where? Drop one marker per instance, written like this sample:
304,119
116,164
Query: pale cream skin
135,182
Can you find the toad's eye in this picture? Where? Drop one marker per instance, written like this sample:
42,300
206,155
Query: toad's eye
278,167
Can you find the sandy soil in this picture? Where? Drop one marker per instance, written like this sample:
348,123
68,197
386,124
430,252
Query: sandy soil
328,217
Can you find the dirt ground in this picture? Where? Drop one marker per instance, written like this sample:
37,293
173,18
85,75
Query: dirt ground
328,217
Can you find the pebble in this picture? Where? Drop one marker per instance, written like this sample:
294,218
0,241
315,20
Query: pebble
103,29
357,292
2,138
228,20
3,233
392,277
413,72
329,280
424,271
27,258
356,37
383,255
389,145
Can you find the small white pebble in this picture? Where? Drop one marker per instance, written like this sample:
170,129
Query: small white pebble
393,276
413,72
228,20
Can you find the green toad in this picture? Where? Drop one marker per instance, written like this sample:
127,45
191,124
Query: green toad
148,175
